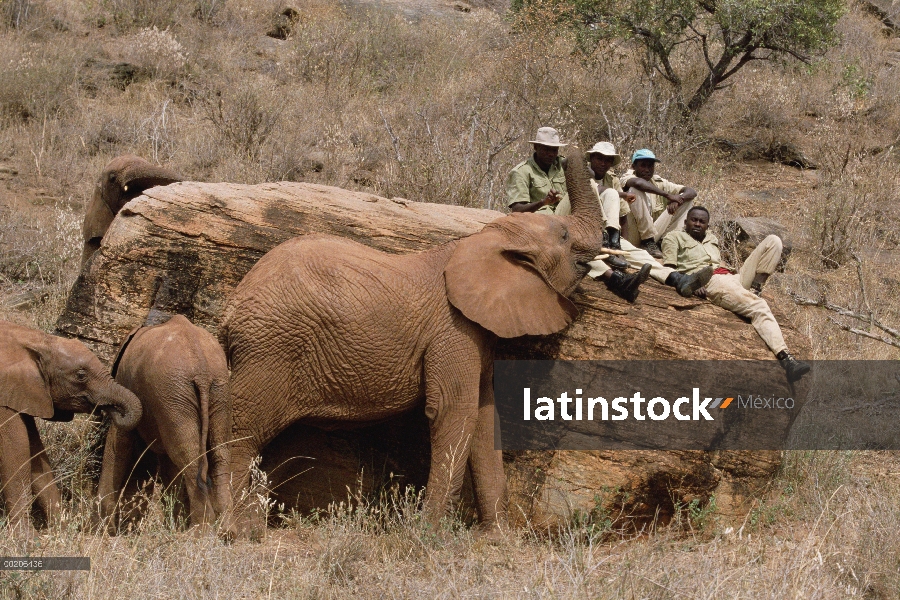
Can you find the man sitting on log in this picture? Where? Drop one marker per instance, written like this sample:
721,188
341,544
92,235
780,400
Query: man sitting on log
539,183
695,249
660,206
614,202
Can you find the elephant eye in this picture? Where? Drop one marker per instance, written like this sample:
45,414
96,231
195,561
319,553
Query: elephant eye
81,375
565,236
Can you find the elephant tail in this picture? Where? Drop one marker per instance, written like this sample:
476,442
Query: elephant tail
202,390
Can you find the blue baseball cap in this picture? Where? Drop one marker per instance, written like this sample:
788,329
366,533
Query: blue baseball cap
644,154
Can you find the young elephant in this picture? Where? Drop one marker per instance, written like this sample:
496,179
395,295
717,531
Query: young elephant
48,377
332,332
125,177
179,372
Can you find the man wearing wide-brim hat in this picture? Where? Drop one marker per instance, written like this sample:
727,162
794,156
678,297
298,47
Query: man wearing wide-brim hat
661,206
608,189
539,183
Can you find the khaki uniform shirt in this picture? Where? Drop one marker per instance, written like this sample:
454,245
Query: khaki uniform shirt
527,182
687,254
657,203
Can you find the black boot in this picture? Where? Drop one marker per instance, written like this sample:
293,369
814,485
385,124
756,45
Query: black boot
614,262
651,247
686,285
795,369
626,286
615,238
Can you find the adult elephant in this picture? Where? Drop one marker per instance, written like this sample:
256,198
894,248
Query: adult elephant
331,332
124,178
48,377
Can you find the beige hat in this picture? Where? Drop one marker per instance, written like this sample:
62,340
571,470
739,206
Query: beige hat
606,149
547,136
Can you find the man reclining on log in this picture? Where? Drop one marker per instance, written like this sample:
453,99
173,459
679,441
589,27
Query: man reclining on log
696,249
660,205
539,185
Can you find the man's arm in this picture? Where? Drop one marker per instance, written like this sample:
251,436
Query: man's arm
551,199
670,251
675,199
518,194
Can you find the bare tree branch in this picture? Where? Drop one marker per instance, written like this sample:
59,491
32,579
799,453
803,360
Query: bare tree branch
874,336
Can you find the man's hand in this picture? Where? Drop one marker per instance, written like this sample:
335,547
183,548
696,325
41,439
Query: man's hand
701,293
675,201
627,197
552,198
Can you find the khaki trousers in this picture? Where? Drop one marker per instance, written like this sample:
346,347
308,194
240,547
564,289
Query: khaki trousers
609,202
642,226
732,292
636,258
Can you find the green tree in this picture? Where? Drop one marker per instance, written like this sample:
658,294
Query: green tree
724,34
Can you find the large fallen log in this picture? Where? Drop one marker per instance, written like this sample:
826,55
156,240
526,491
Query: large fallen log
183,247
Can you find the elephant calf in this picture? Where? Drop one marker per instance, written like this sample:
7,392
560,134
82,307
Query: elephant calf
125,177
178,370
48,377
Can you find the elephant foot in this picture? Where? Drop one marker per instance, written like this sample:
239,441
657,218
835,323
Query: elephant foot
492,533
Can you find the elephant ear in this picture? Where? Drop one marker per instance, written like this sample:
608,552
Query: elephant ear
491,280
24,389
121,353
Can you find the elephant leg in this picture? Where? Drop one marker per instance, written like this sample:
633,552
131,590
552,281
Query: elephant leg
451,389
15,469
117,463
43,483
183,464
174,484
488,477
220,458
249,519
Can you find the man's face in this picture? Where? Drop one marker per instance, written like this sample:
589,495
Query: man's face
696,224
600,164
644,168
545,155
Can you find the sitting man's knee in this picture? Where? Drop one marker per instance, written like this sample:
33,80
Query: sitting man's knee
774,241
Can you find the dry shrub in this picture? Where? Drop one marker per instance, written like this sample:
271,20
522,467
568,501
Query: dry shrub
36,80
157,51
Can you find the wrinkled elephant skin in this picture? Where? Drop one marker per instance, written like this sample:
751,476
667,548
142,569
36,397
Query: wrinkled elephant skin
330,332
48,377
178,370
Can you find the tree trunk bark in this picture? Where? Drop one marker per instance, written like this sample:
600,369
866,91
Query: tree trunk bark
181,249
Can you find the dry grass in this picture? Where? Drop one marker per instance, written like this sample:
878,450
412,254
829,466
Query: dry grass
826,529
439,110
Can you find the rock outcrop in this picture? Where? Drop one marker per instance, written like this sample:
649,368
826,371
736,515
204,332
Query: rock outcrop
183,247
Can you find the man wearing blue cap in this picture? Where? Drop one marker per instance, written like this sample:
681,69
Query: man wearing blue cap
660,205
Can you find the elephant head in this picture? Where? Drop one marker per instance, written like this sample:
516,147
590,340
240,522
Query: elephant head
51,378
514,277
124,178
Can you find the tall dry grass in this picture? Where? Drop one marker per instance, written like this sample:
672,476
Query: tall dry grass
439,110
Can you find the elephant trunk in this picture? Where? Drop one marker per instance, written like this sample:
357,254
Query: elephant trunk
123,407
586,220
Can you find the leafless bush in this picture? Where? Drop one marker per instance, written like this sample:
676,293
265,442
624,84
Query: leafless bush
157,51
244,118
127,14
15,12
